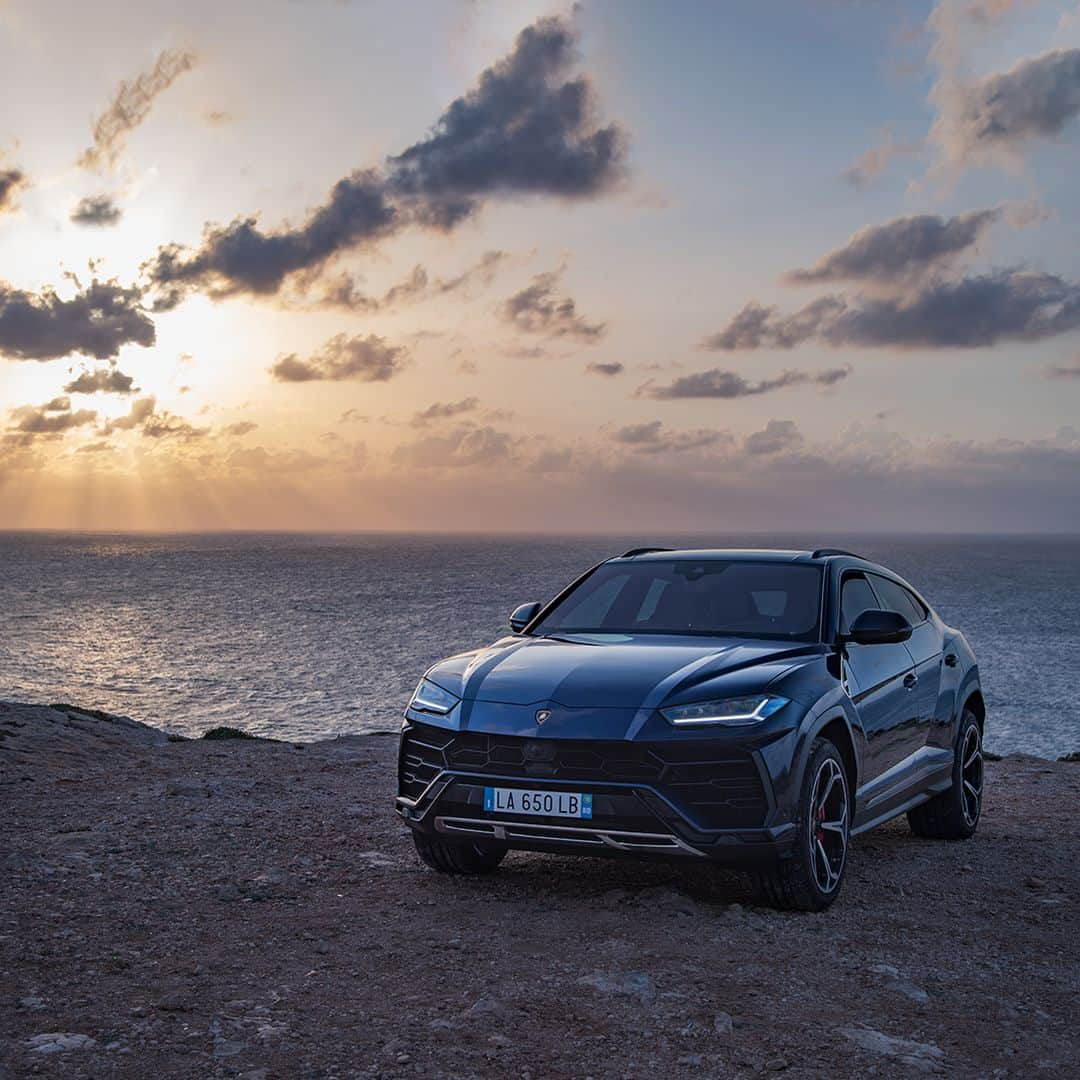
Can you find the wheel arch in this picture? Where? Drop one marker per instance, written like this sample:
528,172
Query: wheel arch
974,701
836,730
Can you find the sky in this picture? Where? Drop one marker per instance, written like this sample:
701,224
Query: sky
483,266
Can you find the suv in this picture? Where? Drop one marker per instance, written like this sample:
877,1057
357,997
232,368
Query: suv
753,708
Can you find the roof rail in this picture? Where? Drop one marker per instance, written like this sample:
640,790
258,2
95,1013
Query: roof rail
821,553
641,551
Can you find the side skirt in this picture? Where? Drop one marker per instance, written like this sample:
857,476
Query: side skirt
920,777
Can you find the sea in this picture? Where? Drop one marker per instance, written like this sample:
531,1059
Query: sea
304,637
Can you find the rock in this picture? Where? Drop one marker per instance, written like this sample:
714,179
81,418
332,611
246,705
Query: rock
484,1007
1073,755
723,1025
1034,883
224,1048
910,990
59,1042
32,1003
374,858
634,984
186,789
777,1064
885,969
501,1041
925,1057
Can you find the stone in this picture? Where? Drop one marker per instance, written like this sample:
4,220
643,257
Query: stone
924,1057
723,1025
59,1042
634,984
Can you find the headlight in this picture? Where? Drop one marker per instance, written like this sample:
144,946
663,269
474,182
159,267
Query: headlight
741,710
427,697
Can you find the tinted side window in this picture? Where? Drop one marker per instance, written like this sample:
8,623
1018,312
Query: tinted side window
855,598
896,598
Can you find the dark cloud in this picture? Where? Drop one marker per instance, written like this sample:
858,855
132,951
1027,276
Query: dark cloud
1037,97
775,437
98,321
130,106
145,418
445,410
904,248
523,129
599,367
1005,305
103,380
242,258
12,181
242,427
716,383
537,309
363,359
98,210
653,438
51,419
465,447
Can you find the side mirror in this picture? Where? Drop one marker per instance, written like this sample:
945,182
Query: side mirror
521,616
879,628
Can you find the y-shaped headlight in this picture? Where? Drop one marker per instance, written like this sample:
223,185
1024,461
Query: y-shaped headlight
734,711
427,697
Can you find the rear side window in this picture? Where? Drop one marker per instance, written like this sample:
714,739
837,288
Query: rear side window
896,598
856,596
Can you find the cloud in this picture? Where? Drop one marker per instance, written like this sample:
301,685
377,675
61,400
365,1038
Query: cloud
868,168
97,210
599,367
345,291
716,383
1003,305
775,437
653,438
242,427
521,129
537,309
465,447
904,248
103,380
363,359
98,321
142,409
12,182
526,127
445,410
51,419
1037,98
131,105
1064,371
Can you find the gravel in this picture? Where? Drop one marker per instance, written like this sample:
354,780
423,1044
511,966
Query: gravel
276,923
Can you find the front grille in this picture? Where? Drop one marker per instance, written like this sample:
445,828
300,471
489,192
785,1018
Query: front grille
715,786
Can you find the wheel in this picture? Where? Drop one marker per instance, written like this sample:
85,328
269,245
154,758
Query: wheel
451,858
954,814
810,880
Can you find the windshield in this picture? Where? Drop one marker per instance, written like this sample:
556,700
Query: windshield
682,596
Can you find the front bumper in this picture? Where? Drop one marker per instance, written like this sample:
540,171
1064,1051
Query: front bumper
696,801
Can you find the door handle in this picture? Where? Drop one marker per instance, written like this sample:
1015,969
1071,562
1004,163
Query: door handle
910,679
951,659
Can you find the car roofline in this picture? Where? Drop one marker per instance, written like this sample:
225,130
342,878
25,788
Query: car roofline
818,556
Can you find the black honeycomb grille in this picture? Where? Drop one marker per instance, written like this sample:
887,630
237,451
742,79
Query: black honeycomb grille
717,787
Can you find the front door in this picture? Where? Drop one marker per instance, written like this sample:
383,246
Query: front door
879,680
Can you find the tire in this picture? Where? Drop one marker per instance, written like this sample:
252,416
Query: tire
810,879
451,858
954,814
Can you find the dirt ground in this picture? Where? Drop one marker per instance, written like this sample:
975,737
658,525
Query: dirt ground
244,908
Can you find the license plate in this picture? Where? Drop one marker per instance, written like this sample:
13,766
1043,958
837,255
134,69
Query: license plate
571,804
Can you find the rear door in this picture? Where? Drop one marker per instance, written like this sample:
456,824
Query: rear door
878,680
924,645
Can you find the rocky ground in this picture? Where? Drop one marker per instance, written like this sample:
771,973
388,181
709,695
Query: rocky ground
246,908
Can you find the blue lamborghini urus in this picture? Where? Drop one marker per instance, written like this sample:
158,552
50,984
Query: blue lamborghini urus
753,708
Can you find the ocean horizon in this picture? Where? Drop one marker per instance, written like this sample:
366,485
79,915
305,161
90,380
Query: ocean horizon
307,635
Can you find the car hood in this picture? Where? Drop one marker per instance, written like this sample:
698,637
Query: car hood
610,671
